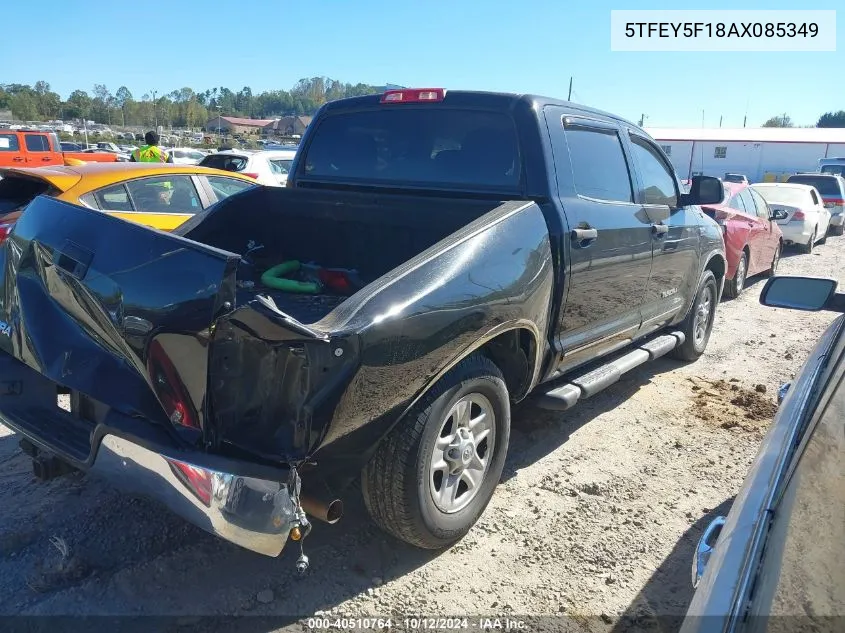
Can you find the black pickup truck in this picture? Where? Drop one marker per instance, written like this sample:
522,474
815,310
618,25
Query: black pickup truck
435,257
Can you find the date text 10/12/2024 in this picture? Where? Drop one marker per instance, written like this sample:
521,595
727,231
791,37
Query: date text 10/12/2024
418,623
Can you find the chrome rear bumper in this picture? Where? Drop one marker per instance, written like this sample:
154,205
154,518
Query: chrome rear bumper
256,514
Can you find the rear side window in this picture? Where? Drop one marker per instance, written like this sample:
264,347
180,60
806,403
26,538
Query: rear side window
9,143
224,162
16,192
426,146
738,204
827,185
225,187
36,143
114,198
280,166
599,167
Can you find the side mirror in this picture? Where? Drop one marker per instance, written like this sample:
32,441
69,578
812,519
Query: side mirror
704,190
778,214
802,293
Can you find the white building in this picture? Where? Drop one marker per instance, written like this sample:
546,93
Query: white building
764,154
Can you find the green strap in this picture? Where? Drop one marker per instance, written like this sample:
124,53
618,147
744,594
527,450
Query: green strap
274,278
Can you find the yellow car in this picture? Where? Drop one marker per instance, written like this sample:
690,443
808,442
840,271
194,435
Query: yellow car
162,196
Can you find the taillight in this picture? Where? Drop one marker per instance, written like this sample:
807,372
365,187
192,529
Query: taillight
829,204
413,95
197,480
168,386
250,174
5,229
798,215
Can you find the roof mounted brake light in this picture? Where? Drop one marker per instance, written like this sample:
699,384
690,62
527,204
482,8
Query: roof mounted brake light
415,95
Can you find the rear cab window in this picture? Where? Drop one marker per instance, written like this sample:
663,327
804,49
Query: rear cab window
226,162
432,146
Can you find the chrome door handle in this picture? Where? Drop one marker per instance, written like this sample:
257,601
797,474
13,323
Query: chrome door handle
584,234
659,229
704,549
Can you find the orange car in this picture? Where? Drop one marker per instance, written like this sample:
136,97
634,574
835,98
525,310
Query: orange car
162,196
30,148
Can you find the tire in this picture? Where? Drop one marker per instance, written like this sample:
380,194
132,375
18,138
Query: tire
837,230
808,247
694,346
775,261
399,483
733,287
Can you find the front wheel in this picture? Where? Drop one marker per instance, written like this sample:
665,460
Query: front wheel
698,323
434,474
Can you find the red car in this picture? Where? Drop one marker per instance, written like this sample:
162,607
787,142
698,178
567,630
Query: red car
753,240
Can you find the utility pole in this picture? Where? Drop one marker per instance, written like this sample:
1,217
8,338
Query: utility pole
569,98
702,118
643,117
155,112
720,120
784,119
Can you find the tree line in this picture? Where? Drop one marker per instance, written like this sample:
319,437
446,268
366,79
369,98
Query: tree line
179,108
828,119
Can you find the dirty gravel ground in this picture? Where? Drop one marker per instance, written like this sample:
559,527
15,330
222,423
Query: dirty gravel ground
595,519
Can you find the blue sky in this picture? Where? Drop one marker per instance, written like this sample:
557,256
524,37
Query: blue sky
519,46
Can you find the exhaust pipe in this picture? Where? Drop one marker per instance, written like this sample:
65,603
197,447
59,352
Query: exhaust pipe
327,511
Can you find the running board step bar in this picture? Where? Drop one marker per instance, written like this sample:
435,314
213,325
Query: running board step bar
564,396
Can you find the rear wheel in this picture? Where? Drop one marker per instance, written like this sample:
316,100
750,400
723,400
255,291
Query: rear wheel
837,230
733,287
808,247
775,261
435,472
698,323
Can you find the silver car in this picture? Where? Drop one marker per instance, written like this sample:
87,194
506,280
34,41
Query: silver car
777,561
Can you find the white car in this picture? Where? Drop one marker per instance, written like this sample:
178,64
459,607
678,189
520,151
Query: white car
268,167
799,211
185,155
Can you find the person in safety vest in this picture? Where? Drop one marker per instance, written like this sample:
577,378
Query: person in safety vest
151,152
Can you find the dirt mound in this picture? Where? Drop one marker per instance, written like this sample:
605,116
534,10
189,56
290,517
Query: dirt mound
731,406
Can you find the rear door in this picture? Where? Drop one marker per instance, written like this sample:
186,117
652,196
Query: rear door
675,241
87,295
608,247
763,240
10,150
756,235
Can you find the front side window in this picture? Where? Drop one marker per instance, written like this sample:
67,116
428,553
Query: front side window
36,143
762,206
599,167
658,182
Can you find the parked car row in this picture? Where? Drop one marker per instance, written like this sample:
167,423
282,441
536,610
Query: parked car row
760,219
